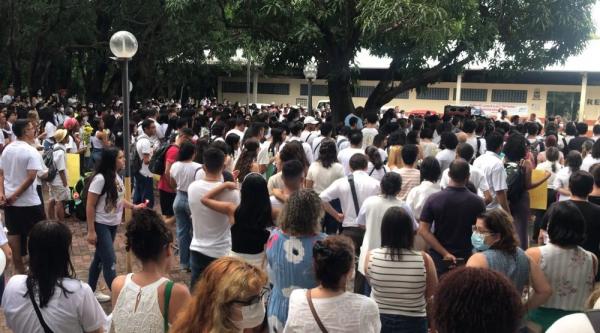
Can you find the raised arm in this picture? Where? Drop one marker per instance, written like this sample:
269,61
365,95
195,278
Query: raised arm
223,207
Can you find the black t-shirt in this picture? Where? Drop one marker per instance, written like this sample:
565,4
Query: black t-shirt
594,199
576,143
453,212
248,240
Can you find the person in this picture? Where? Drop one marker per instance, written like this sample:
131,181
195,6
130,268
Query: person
568,267
166,192
141,300
577,142
377,169
326,131
250,218
344,155
268,151
337,309
518,166
370,129
104,211
549,142
352,193
309,133
65,304
321,174
232,144
561,182
579,322
181,174
592,158
19,166
402,279
211,237
59,186
464,290
450,242
291,151
246,163
497,249
145,145
239,128
493,169
98,141
594,197
228,299
410,175
430,175
371,214
295,129
477,178
448,144
292,175
552,166
289,250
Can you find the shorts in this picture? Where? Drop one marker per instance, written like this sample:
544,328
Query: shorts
59,193
20,220
166,202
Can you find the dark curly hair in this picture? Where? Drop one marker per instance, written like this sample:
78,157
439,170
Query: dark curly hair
147,235
474,300
333,258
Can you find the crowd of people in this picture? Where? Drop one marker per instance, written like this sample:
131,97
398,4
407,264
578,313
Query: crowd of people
289,222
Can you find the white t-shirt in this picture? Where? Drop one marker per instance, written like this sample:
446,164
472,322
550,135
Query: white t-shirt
145,145
547,166
322,177
562,181
342,142
77,312
368,136
60,162
309,136
377,174
275,203
112,217
305,146
211,230
344,157
263,157
576,322
16,160
50,129
184,174
348,312
494,172
445,157
236,132
476,177
588,162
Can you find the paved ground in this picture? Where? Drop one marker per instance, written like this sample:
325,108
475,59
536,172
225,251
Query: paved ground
82,254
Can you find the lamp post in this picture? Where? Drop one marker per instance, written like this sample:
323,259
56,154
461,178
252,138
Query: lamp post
124,46
310,73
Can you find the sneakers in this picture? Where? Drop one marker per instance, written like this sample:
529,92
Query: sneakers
101,297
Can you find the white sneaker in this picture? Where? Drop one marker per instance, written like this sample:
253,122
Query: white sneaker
101,297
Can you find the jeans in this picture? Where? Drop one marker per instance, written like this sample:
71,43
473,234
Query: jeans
104,257
402,324
183,221
144,190
330,225
95,157
198,263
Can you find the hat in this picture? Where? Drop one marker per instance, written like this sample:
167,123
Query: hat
70,123
310,120
60,135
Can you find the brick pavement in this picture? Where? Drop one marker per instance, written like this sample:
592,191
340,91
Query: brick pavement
82,254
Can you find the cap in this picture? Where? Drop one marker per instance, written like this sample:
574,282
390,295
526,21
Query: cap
310,120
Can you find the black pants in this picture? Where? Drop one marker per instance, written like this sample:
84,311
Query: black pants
356,234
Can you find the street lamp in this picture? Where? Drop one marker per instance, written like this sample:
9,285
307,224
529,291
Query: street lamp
124,46
310,73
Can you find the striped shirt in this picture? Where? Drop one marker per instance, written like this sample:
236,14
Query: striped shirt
410,178
398,287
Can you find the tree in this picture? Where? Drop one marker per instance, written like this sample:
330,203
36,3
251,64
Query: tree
426,39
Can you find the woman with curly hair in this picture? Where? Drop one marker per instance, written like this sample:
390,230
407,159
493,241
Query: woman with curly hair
246,163
228,299
289,252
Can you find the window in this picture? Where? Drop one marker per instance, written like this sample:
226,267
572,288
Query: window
441,94
317,90
509,96
403,95
274,88
362,91
235,87
474,95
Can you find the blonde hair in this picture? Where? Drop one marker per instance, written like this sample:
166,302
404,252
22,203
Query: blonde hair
225,280
301,214
395,157
591,301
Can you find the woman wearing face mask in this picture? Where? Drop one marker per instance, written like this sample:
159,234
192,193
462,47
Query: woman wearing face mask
147,298
329,307
228,299
497,248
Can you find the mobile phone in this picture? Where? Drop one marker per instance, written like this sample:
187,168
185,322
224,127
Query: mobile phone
451,265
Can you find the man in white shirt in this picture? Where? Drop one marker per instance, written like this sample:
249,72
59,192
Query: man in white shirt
468,128
326,130
449,141
239,129
19,165
152,114
476,176
211,237
493,169
309,133
146,145
370,129
295,129
346,154
351,199
59,190
9,97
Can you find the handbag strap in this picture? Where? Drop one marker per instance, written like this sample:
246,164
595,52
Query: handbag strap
168,289
594,317
39,313
354,196
314,312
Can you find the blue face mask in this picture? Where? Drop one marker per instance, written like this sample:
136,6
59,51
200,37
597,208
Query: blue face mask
478,241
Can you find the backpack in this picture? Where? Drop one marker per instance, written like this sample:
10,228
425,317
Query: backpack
79,195
158,160
48,157
515,179
134,157
535,148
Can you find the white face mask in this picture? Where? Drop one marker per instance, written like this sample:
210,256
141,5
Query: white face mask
252,315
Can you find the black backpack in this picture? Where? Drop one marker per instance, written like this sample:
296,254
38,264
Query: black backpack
515,179
158,160
48,157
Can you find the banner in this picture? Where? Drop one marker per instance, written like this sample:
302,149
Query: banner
538,197
73,169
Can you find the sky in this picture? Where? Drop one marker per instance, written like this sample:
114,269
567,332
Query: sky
596,16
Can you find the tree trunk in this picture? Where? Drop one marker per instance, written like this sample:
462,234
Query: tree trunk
340,92
379,97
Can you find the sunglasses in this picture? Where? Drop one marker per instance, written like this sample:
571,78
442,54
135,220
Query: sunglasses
254,299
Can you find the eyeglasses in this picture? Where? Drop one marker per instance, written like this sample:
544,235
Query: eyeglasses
485,233
254,299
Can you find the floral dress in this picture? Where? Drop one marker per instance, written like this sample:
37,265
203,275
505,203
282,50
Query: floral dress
290,267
